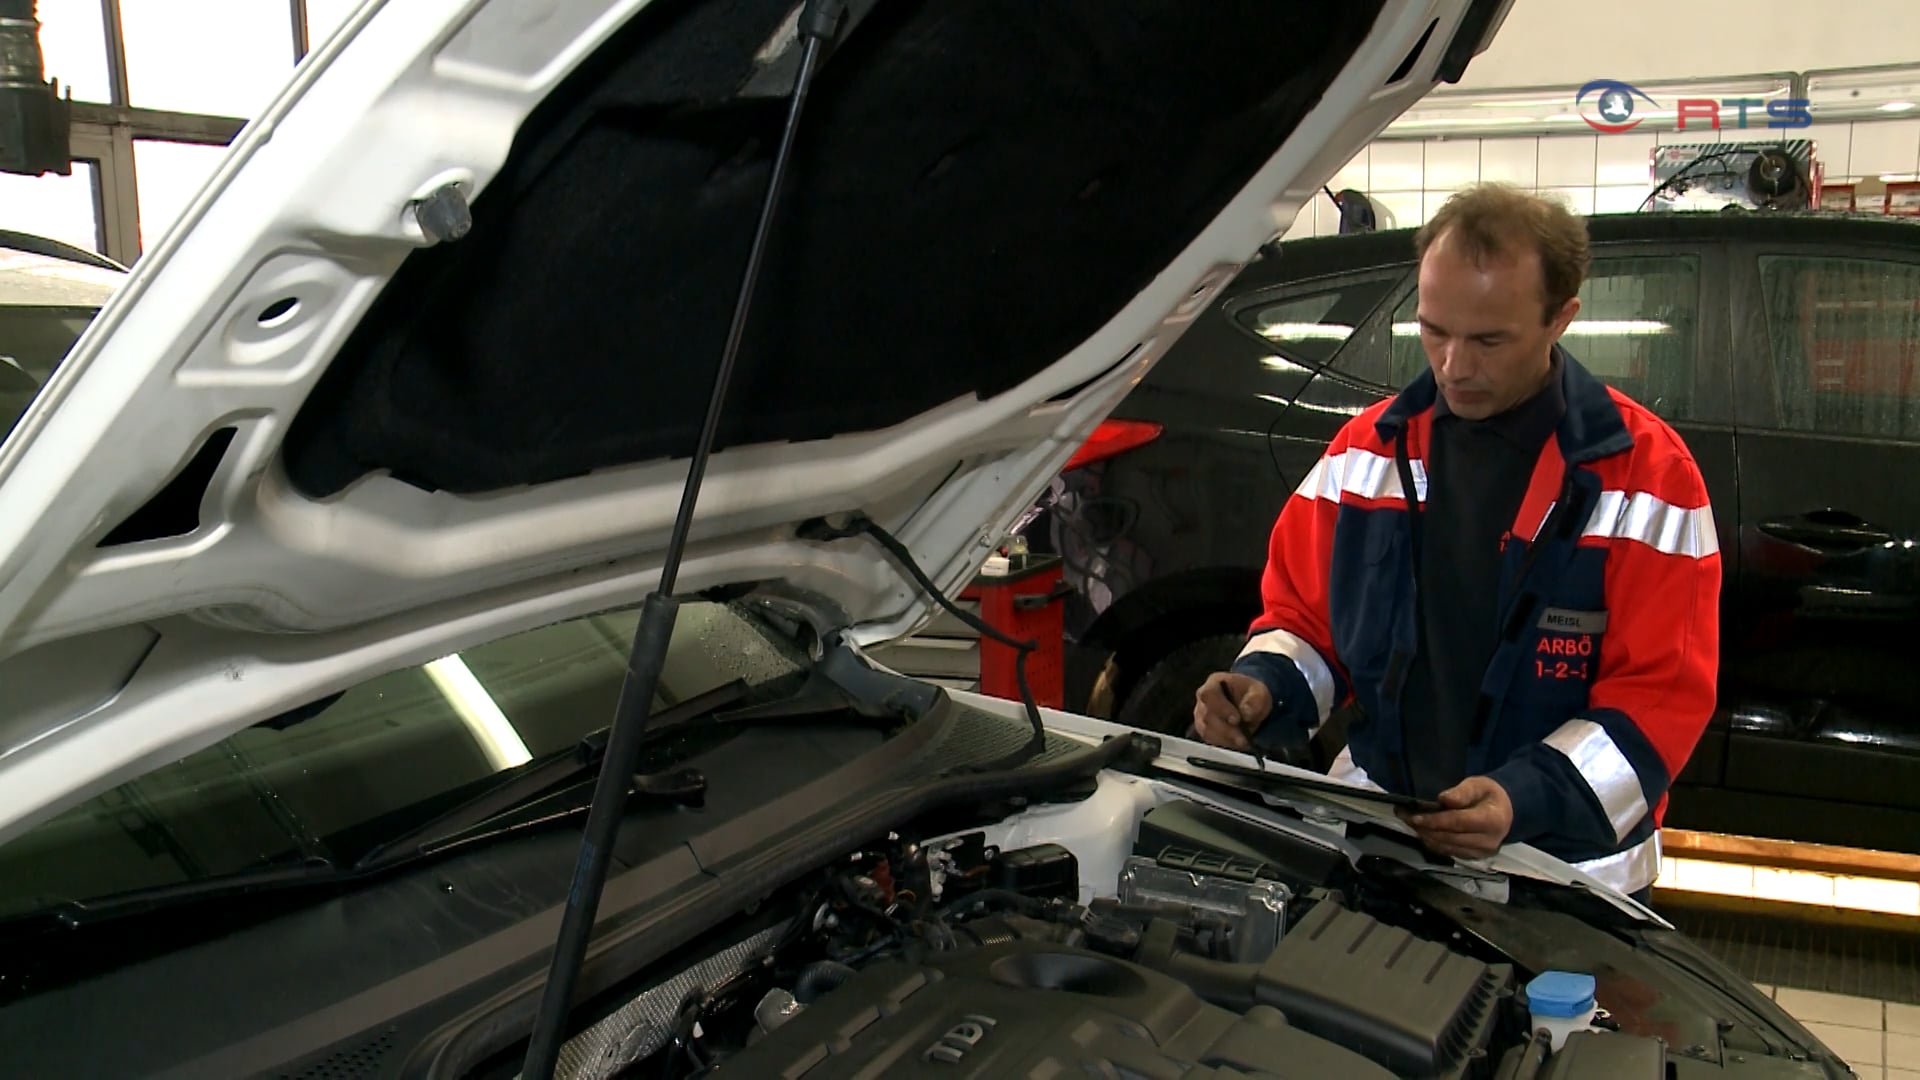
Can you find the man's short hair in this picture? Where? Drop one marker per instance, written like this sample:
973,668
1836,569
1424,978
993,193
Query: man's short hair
1491,219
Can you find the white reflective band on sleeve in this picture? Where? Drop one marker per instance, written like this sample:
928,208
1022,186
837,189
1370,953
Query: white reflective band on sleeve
1605,769
1346,770
1654,522
1306,658
1362,473
1628,871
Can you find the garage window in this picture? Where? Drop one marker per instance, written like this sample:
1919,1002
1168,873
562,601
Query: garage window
1638,331
1845,336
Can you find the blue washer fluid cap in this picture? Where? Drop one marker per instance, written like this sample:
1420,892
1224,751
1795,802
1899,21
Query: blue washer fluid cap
1560,994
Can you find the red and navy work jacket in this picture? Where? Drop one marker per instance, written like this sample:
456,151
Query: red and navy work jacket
1603,676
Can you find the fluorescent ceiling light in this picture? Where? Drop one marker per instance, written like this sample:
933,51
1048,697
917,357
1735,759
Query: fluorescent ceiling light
498,740
1296,331
1618,328
1337,410
1281,363
1863,92
1462,121
1336,332
1551,109
1580,328
1522,103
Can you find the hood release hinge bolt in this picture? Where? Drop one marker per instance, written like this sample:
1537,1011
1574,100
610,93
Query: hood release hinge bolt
444,215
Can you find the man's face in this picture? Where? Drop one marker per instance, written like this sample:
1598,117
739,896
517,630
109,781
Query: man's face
1482,327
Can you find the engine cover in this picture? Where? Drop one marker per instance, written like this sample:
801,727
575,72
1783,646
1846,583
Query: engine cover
1027,1008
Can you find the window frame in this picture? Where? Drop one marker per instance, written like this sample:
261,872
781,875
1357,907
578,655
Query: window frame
1759,408
102,132
1712,394
1397,278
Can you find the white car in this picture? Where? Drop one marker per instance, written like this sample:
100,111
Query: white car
320,557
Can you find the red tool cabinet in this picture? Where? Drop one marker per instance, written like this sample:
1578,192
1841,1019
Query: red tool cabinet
1023,603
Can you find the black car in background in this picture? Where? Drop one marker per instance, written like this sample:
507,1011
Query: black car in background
1785,349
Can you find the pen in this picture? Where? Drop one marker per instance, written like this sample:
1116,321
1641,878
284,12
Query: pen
1260,759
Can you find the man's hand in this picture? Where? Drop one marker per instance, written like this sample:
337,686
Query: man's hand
1228,708
1477,819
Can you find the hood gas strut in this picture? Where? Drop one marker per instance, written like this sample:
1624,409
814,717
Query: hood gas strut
819,20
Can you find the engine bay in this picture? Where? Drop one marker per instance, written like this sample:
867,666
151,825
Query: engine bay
1064,989
1212,946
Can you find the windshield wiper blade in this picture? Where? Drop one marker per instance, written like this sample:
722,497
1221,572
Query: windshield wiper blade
74,914
549,780
536,778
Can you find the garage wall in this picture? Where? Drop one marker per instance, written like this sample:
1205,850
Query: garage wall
1567,42
1594,174
126,189
1557,42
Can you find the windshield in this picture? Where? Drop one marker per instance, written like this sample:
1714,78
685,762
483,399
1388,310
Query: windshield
338,777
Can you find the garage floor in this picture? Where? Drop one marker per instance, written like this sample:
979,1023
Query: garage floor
1880,1039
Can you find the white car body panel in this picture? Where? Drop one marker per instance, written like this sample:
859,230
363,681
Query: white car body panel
1522,860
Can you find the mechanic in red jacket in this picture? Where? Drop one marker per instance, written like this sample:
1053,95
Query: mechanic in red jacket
1510,568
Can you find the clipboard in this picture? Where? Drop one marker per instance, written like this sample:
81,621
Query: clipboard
1319,785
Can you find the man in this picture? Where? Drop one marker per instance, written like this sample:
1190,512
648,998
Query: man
1511,569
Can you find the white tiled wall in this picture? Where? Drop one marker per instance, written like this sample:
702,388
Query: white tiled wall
1564,42
1877,1038
1595,174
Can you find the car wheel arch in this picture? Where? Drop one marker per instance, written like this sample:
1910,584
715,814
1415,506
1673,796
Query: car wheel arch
1144,626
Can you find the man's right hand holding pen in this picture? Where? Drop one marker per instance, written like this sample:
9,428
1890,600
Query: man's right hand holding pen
1229,707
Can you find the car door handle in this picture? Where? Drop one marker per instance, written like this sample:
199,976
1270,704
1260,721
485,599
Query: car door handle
1831,529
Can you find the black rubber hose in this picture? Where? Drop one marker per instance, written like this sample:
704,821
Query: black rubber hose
1219,982
1530,1062
1226,984
820,977
1026,905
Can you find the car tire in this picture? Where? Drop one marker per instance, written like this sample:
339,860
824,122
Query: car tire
1162,700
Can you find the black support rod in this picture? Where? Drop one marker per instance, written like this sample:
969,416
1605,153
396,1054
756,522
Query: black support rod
657,614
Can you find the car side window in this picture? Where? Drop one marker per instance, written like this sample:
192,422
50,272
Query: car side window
1312,327
1843,333
1638,330
33,341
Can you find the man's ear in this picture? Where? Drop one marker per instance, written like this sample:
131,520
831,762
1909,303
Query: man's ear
1563,319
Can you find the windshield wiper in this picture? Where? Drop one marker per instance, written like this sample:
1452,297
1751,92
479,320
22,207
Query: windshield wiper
540,788
73,914
517,787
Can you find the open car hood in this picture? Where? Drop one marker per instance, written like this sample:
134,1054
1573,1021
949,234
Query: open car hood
322,432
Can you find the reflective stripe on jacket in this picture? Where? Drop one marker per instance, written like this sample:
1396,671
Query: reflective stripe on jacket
1603,678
